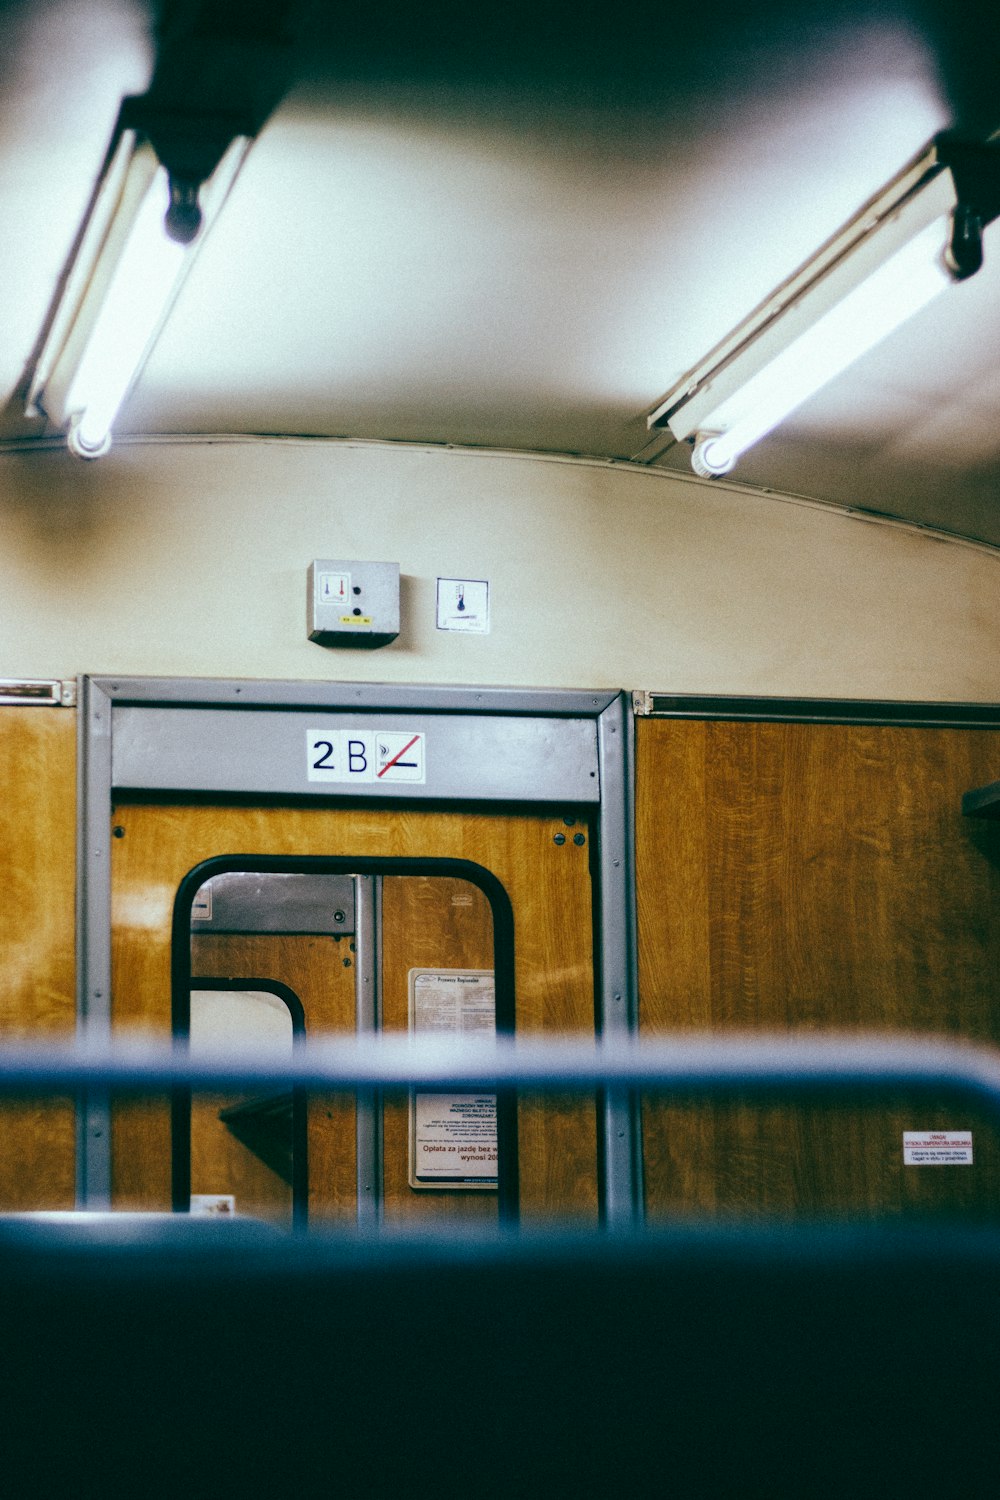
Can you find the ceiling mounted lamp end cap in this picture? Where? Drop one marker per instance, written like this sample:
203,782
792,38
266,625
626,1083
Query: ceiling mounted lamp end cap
963,254
82,446
184,216
710,458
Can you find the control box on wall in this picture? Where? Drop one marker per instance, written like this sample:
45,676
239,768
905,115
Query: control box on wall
352,603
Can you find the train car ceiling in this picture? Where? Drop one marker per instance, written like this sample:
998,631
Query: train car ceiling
518,230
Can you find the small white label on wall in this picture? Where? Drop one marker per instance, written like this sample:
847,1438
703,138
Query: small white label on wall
937,1148
463,604
363,756
213,1203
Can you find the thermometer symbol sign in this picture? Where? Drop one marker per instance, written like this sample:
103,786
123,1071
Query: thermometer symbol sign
334,587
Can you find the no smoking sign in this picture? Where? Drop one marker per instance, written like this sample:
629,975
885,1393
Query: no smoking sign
399,757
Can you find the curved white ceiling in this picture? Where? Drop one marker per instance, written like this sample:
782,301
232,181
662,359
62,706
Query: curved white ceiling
516,228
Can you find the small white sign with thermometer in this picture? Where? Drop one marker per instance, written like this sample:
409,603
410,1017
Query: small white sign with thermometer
464,604
334,588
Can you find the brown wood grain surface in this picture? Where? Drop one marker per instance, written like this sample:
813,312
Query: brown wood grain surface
815,877
222,1164
37,922
435,923
320,970
549,887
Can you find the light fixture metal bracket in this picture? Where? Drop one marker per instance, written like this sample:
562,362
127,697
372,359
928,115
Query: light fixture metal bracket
189,144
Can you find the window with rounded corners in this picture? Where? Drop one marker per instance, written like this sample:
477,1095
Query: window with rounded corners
184,982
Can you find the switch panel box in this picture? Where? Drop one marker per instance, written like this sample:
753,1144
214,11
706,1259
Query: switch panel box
352,603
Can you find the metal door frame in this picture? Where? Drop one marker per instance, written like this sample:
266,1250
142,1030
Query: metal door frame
556,738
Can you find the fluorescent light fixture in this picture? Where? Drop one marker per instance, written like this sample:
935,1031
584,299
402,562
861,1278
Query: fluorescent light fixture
144,229
915,238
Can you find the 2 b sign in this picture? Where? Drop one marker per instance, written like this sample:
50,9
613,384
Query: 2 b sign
362,755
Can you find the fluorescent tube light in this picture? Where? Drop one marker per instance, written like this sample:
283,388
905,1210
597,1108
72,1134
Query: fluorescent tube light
918,236
137,246
141,289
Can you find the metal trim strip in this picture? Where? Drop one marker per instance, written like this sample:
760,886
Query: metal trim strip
654,705
356,697
367,1007
93,907
620,1134
32,692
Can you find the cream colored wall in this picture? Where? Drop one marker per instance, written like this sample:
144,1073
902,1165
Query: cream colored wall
189,559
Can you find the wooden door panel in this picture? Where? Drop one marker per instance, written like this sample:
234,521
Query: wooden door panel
549,886
222,1164
817,877
320,970
434,923
37,956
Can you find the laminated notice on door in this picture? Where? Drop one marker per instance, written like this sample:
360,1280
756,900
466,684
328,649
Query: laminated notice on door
453,1137
937,1148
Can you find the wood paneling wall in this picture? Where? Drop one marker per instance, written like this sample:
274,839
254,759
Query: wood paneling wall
790,876
797,876
37,919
